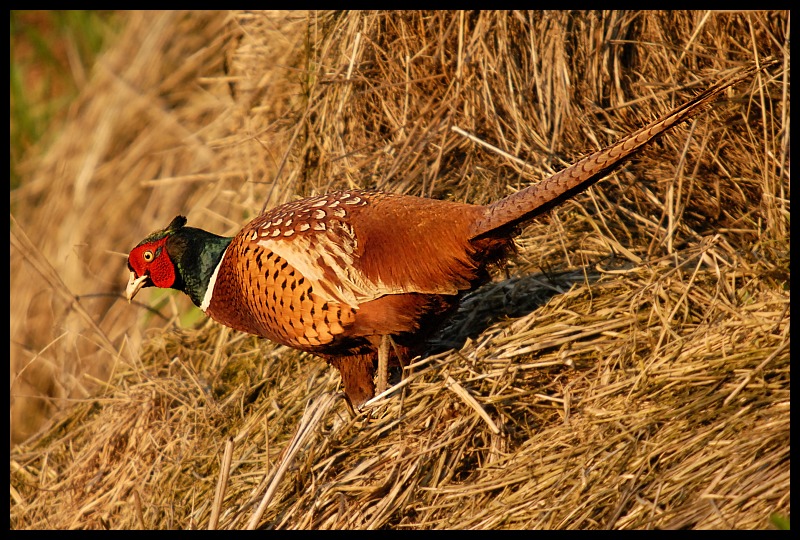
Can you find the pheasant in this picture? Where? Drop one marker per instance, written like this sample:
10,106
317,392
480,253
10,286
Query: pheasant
356,277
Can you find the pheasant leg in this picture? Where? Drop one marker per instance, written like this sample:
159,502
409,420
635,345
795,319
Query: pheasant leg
383,363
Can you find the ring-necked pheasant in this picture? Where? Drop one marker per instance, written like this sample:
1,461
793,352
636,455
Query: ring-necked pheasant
339,274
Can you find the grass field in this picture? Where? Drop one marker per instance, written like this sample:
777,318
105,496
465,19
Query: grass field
628,369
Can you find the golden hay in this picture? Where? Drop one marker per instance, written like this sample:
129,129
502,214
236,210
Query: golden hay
633,373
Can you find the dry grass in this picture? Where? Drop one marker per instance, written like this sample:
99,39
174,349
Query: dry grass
643,380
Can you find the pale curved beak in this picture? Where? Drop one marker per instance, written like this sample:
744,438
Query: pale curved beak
134,284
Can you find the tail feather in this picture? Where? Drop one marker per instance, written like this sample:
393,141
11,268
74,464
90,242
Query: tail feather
537,199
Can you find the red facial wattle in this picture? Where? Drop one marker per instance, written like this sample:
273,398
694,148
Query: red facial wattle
152,259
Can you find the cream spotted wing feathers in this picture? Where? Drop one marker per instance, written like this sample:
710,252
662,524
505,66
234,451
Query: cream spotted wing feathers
315,237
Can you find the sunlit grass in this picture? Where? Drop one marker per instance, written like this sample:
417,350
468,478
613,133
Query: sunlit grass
51,54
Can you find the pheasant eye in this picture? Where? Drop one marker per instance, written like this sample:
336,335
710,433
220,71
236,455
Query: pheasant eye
148,255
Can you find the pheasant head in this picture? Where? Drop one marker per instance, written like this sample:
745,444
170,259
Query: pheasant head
176,257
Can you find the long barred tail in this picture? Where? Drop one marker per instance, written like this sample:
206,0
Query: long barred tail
537,199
